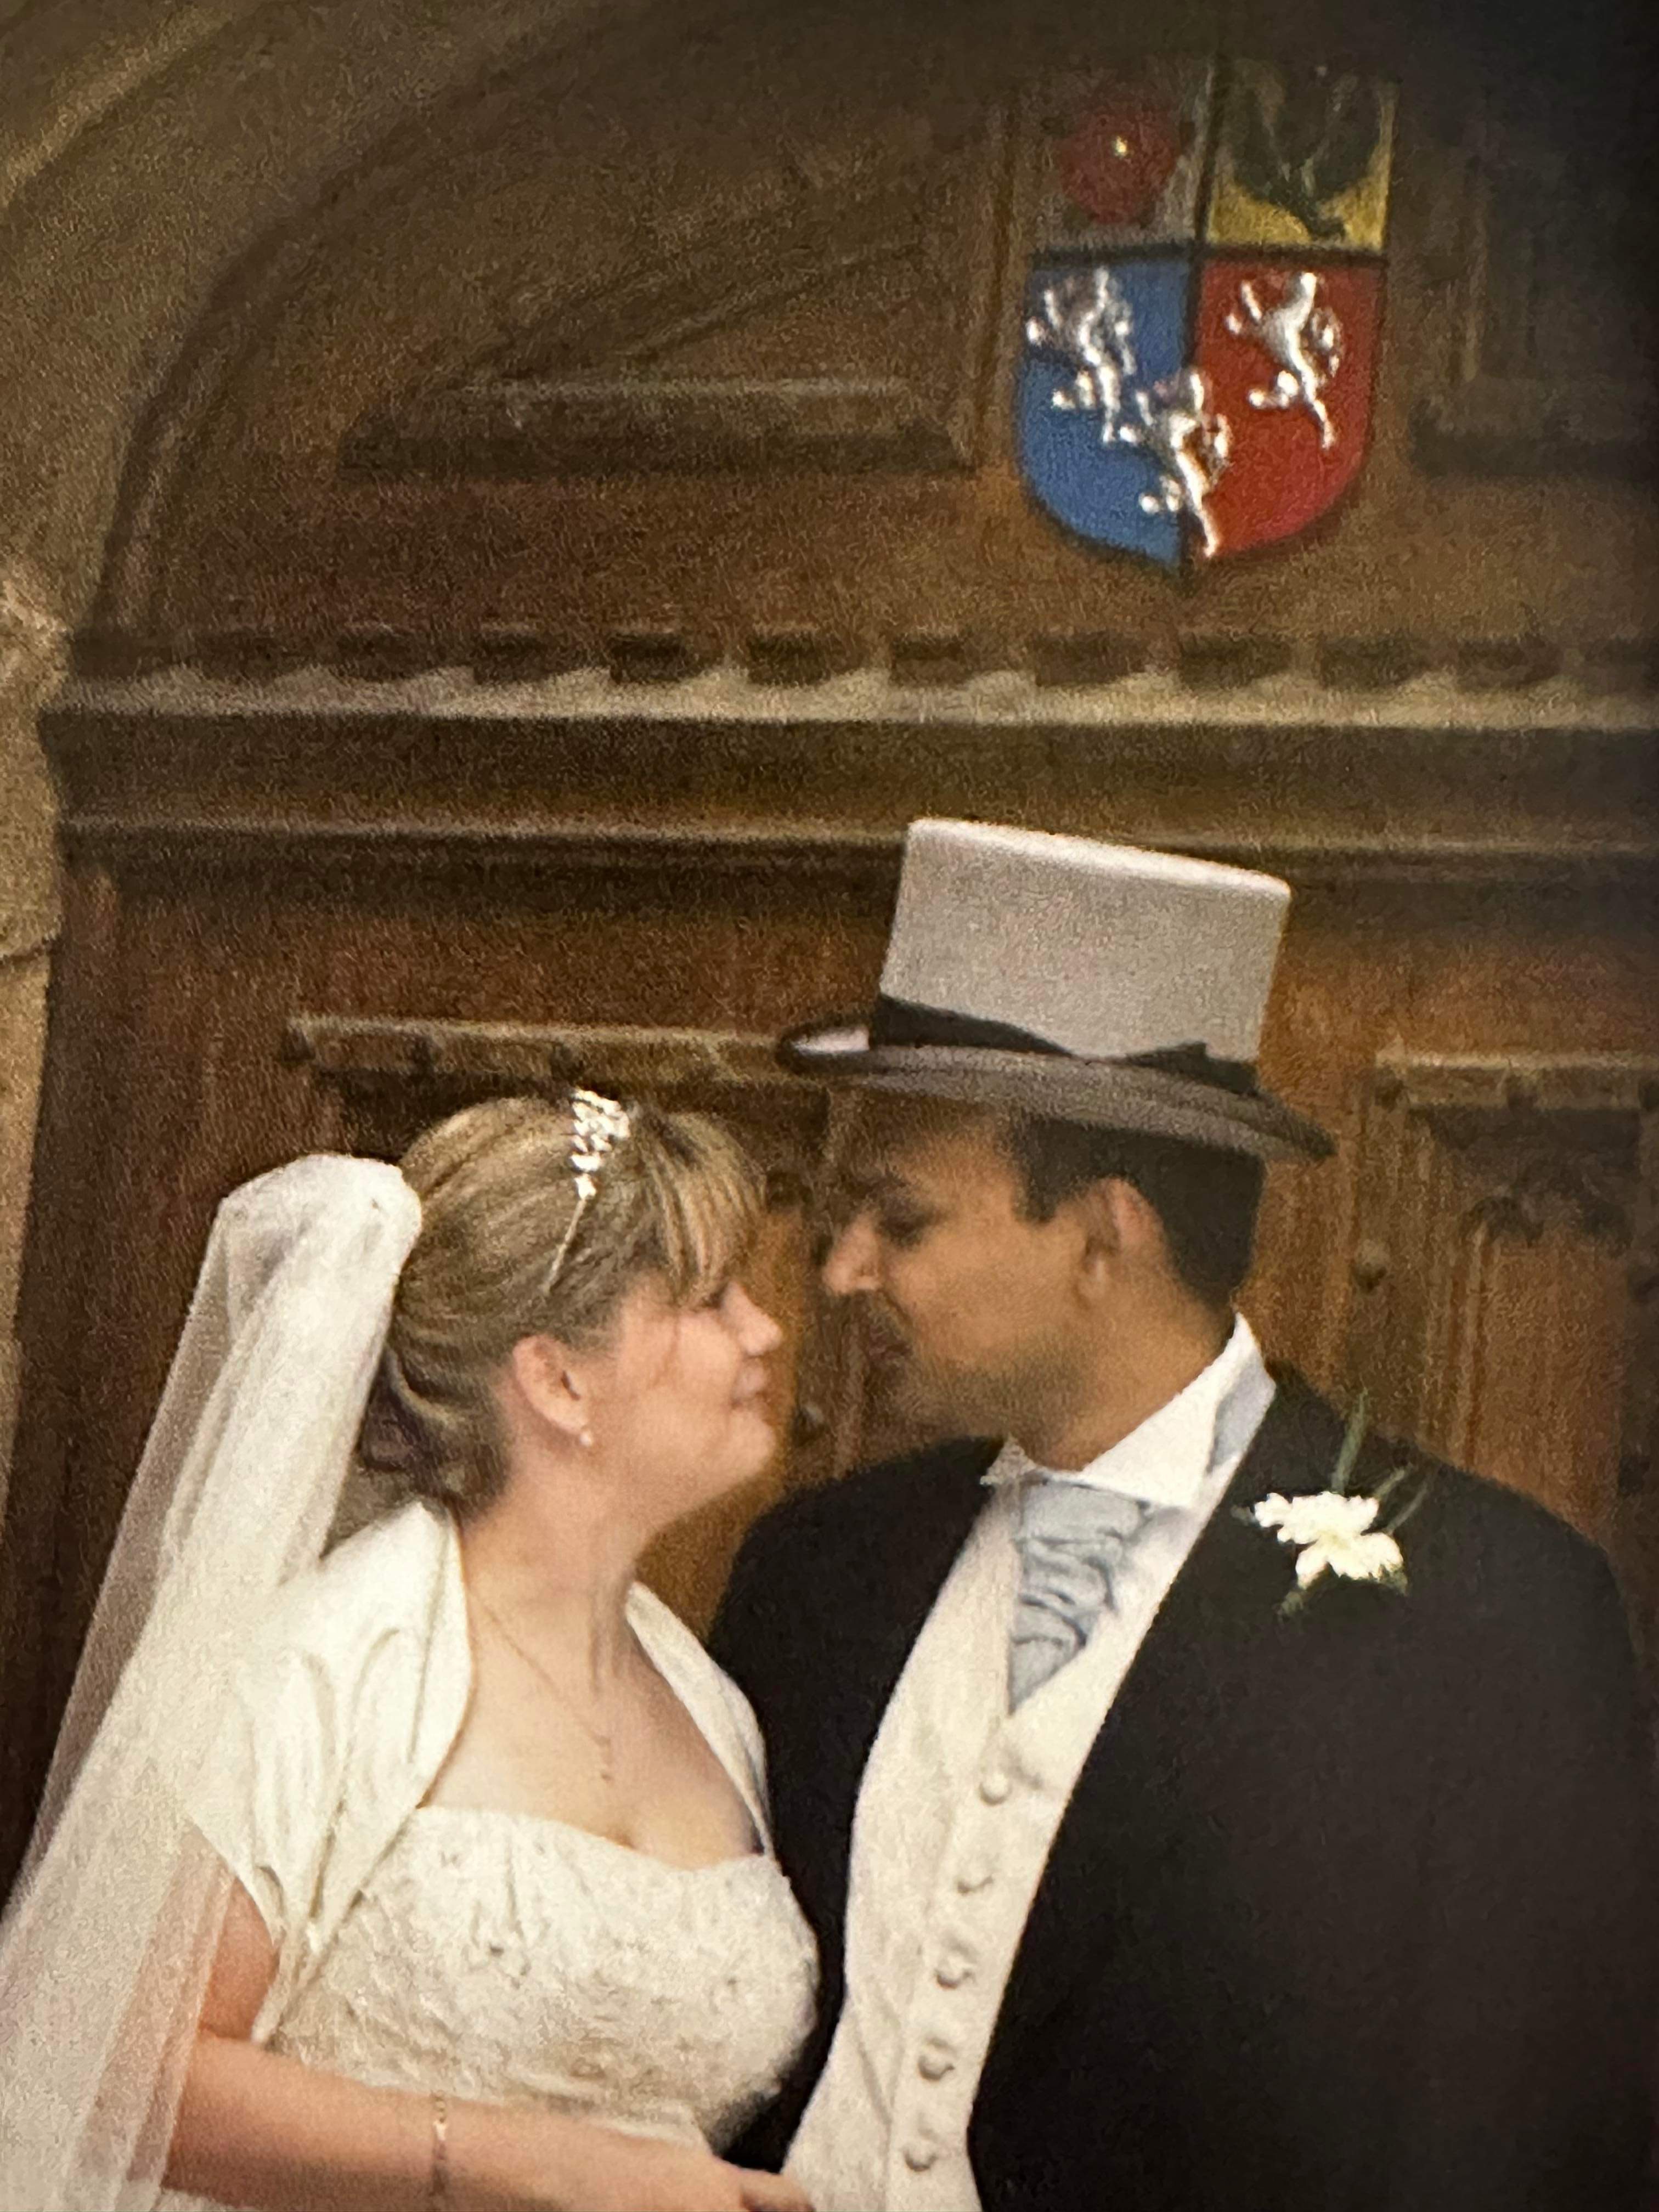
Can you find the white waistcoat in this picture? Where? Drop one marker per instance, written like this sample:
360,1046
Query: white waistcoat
960,1804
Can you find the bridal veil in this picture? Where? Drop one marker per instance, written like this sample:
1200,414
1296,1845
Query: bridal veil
106,1946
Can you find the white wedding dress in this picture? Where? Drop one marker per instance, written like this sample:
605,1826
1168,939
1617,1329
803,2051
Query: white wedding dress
515,1959
490,1954
501,1956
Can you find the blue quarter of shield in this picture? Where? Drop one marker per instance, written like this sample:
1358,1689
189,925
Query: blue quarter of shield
1095,335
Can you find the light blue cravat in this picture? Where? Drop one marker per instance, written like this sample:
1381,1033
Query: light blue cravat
1074,1538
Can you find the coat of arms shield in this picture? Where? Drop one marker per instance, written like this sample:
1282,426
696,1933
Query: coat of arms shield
1202,311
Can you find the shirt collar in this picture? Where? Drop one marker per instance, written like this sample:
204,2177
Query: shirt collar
1165,1461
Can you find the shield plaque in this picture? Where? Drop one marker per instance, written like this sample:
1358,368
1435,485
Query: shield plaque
1201,314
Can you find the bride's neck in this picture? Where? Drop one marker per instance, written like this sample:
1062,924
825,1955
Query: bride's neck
554,1558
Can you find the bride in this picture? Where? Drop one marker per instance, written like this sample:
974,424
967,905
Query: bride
436,1874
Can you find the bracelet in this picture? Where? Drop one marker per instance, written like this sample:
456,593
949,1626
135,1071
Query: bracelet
438,2188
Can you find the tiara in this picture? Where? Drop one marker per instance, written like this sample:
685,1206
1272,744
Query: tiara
599,1125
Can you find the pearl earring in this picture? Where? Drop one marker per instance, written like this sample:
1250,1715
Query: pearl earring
585,1439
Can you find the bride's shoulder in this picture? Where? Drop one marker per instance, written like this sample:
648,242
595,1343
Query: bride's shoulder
702,1683
667,1638
333,1720
383,1579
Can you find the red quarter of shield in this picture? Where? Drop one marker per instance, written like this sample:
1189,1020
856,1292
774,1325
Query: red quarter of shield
1289,347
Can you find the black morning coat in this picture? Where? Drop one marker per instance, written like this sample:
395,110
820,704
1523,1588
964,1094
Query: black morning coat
1352,1911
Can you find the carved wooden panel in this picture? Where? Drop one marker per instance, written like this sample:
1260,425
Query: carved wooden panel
379,1081
1550,348
1504,1269
836,316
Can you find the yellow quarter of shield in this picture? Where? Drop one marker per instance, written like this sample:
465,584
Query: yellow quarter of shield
1293,212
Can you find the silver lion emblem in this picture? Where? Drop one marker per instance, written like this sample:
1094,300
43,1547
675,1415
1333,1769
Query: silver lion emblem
1303,338
1191,442
1087,321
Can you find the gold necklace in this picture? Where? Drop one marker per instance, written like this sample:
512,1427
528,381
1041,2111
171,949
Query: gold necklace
602,1738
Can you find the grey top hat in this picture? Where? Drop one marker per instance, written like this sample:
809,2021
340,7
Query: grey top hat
1071,978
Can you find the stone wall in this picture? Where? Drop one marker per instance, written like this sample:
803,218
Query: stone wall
144,145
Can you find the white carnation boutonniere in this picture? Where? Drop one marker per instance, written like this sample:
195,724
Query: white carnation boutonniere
1335,1532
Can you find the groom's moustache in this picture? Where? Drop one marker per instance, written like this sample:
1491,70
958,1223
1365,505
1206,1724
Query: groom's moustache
884,1342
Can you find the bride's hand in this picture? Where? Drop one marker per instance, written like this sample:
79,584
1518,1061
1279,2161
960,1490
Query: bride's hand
599,2170
771,2192
657,2177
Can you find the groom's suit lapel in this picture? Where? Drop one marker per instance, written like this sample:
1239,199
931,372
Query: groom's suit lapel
1217,1644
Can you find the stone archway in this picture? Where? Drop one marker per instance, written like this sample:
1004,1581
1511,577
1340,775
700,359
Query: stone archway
148,146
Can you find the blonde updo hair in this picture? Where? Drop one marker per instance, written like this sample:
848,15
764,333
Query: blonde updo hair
677,1198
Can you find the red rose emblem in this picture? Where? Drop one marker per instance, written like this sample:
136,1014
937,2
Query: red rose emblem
1117,159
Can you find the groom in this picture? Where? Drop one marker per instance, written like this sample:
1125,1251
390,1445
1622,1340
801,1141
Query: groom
1192,1814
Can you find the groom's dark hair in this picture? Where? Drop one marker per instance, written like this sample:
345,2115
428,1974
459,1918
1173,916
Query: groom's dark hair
1206,1199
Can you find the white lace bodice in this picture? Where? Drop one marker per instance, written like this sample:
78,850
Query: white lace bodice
519,1961
501,1956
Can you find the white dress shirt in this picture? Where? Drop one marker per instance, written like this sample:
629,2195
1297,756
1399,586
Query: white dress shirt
961,1801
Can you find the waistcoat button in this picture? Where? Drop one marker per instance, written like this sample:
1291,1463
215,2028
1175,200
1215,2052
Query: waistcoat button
918,2156
993,1786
